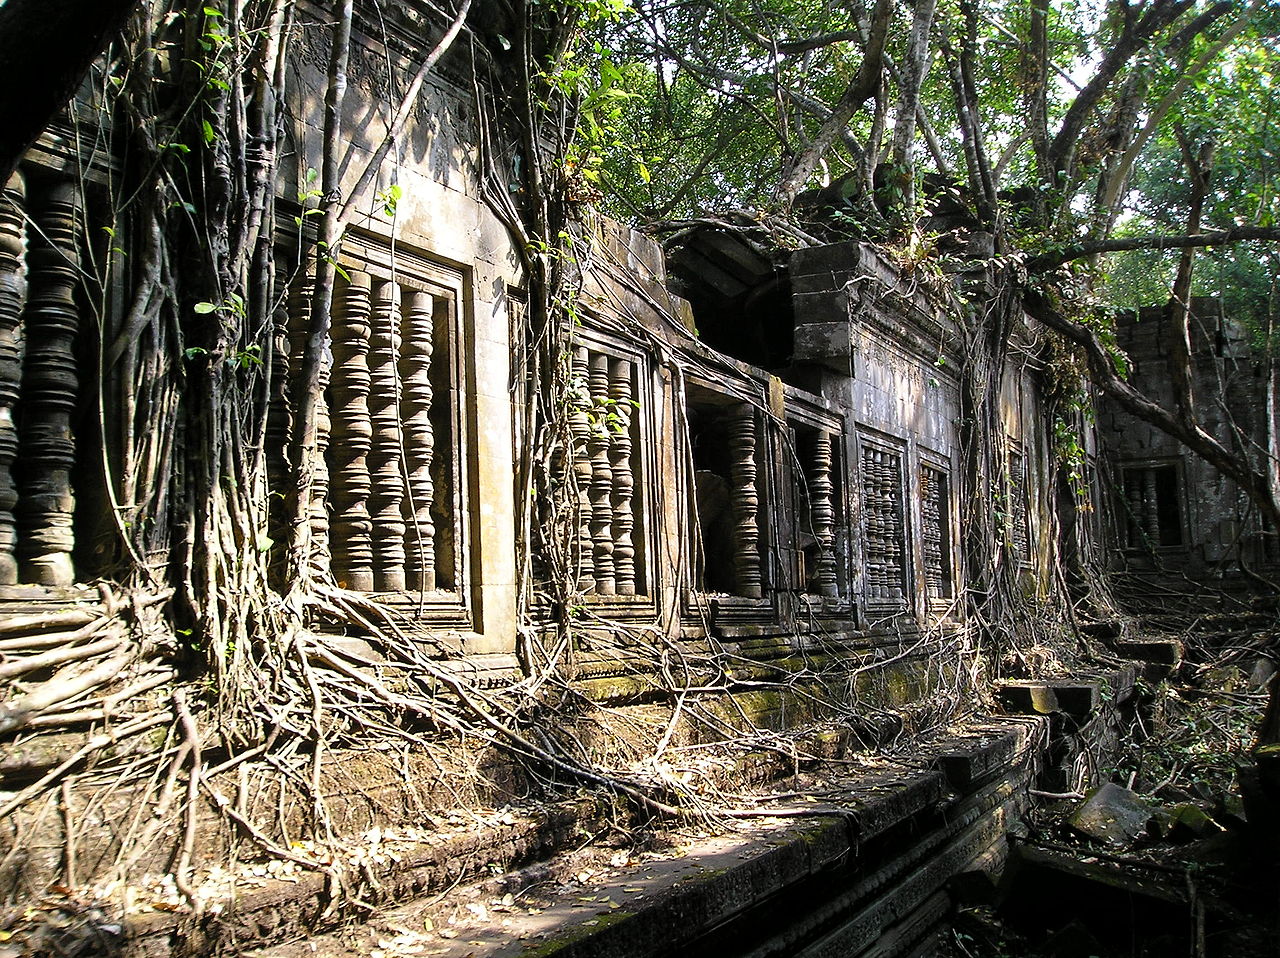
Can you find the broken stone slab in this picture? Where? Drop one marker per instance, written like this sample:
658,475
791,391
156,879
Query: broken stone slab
1186,822
1027,698
976,758
1113,815
1156,651
1106,629
1044,697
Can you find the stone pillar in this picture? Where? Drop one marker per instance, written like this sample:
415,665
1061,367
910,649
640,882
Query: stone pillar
13,295
1150,507
601,491
387,482
419,440
745,501
580,430
822,515
352,435
49,386
299,326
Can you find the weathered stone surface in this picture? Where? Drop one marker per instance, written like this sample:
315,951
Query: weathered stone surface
1113,815
1027,698
1186,822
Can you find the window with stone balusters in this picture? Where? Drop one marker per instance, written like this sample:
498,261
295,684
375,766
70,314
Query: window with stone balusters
724,444
388,512
604,422
884,542
818,546
1151,508
935,532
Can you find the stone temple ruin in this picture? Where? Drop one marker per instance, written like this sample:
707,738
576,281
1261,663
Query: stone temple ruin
765,457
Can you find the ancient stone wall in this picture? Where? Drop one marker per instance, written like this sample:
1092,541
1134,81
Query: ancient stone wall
1169,511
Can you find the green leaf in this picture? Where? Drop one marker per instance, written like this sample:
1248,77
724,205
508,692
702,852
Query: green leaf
203,308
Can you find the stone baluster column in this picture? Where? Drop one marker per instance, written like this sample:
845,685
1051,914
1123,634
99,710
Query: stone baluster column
601,490
299,325
893,546
278,411
419,440
13,295
620,449
580,430
1150,507
745,501
352,435
387,480
932,489
49,386
822,515
874,523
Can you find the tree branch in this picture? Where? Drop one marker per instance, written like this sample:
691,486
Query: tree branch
864,85
1254,483
1236,234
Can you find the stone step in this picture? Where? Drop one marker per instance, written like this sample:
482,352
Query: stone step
861,867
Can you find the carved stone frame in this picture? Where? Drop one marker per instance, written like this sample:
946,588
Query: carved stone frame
448,286
868,440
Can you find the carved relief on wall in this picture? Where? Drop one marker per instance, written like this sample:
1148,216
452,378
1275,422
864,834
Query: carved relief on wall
1017,533
883,528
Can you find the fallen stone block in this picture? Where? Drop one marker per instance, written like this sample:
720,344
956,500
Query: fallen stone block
1113,815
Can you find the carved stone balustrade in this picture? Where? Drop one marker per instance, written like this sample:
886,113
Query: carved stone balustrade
580,430
883,526
13,294
601,490
387,480
419,440
935,544
298,324
822,514
351,527
745,501
620,451
603,456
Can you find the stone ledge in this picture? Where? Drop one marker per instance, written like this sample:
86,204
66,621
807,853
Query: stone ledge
870,871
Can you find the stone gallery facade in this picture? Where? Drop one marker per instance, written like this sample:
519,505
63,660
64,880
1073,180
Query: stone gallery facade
810,491
766,455
1175,515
